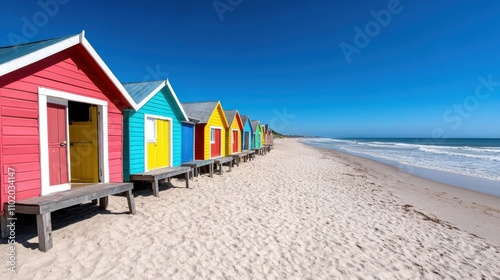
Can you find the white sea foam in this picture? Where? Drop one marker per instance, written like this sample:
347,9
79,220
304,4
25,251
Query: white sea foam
482,162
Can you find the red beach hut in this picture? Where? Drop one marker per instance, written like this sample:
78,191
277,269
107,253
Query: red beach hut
61,117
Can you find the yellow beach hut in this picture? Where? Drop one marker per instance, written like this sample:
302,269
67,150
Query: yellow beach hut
233,135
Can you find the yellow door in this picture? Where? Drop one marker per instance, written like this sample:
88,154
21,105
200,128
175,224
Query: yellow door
158,149
84,152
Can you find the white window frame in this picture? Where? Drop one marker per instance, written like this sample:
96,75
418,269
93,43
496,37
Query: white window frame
146,129
212,128
212,135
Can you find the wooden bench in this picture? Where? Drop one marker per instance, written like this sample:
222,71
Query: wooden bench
251,154
196,164
220,161
258,151
42,206
267,148
155,175
238,156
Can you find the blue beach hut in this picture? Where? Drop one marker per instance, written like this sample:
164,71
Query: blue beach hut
246,134
153,128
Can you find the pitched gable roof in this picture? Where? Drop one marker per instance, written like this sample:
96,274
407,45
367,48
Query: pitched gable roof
255,125
200,110
16,57
142,92
244,119
10,53
230,115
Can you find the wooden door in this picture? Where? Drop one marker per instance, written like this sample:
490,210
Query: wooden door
235,141
58,148
187,142
84,149
158,149
215,145
246,140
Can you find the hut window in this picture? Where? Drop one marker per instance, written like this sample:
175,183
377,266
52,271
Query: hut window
212,136
150,130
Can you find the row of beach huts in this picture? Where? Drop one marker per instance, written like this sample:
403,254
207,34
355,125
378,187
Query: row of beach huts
72,133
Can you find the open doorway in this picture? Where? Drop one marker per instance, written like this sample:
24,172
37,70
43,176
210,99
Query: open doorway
84,144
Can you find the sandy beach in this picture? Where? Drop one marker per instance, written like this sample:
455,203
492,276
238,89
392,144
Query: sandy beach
296,213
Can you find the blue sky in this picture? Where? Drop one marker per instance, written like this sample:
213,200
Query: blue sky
342,68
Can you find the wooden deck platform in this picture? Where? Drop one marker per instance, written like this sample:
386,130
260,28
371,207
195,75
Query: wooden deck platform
42,206
268,148
259,151
196,164
238,157
221,161
155,175
251,154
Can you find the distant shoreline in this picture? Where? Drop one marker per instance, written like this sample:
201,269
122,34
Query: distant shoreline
481,185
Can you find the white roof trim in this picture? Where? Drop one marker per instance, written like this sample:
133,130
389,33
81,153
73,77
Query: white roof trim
106,70
150,95
155,91
177,100
38,55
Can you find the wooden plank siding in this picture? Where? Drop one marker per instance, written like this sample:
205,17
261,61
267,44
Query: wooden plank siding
247,127
229,136
72,71
258,137
161,104
216,120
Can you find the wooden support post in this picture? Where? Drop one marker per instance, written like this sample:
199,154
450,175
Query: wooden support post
131,202
156,188
187,179
44,228
4,221
211,170
103,202
220,169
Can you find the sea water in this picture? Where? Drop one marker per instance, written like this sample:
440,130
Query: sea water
467,163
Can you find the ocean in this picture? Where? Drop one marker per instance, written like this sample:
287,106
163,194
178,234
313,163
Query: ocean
468,163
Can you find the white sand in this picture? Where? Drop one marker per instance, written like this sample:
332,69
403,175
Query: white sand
295,213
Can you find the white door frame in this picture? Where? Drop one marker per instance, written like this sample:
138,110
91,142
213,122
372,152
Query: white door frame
45,96
232,140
